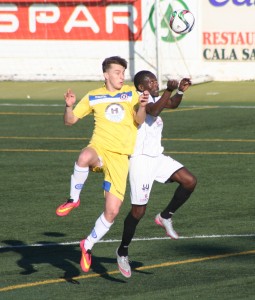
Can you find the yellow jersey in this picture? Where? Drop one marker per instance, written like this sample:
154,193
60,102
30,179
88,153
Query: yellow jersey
114,129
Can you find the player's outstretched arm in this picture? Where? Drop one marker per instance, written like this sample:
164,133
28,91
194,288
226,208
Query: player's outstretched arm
166,101
155,108
69,117
175,100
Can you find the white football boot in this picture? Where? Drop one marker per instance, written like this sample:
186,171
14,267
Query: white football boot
168,225
123,264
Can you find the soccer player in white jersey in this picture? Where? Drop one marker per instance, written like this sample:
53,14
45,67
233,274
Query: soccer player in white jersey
149,164
118,110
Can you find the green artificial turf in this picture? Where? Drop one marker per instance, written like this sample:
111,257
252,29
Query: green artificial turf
211,133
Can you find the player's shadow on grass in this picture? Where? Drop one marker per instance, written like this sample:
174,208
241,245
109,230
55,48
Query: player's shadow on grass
44,253
98,261
63,257
98,268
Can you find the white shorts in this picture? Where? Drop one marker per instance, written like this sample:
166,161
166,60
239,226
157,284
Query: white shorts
144,170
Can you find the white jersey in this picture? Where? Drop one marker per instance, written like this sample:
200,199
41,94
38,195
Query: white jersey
148,163
149,135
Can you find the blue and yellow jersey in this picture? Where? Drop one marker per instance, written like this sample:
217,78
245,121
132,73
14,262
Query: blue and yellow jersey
115,128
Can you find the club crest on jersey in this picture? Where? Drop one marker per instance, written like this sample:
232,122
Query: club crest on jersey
124,96
115,112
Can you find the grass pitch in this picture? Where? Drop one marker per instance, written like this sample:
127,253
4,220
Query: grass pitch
212,133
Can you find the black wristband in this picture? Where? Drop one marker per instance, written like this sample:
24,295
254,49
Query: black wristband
169,90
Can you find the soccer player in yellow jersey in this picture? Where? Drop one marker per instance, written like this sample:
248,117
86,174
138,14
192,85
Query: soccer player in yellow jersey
118,110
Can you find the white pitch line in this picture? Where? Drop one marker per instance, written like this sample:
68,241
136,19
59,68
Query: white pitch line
134,240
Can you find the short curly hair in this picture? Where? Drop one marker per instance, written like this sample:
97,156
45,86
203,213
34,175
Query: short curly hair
139,77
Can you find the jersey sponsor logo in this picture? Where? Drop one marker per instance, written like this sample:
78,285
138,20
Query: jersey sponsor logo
120,97
115,112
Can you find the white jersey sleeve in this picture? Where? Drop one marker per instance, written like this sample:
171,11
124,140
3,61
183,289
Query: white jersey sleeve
149,135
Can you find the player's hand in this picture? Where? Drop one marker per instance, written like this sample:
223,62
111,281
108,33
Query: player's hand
70,98
172,85
144,98
184,84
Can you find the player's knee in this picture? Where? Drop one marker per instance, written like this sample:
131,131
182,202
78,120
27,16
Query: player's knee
190,183
83,159
138,211
115,211
111,214
87,157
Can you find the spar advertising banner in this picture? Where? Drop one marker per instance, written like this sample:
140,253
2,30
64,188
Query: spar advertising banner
68,40
70,20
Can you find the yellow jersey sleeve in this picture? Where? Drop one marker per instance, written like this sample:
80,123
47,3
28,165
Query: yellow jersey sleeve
83,108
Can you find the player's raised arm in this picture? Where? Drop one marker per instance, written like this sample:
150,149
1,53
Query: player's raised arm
140,115
69,117
155,108
166,100
175,100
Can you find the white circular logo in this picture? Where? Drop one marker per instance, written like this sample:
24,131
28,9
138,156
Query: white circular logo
115,112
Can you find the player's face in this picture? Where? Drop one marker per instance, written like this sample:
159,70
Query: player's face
151,85
114,77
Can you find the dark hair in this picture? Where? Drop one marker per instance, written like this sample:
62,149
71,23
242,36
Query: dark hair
113,60
139,77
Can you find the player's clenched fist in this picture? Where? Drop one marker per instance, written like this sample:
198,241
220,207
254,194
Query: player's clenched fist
172,85
184,84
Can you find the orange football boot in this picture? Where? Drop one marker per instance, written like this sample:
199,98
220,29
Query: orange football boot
85,257
64,209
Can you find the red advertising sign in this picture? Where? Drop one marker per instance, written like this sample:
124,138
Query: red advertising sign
84,20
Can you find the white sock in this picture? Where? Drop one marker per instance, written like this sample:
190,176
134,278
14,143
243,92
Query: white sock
102,226
77,181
